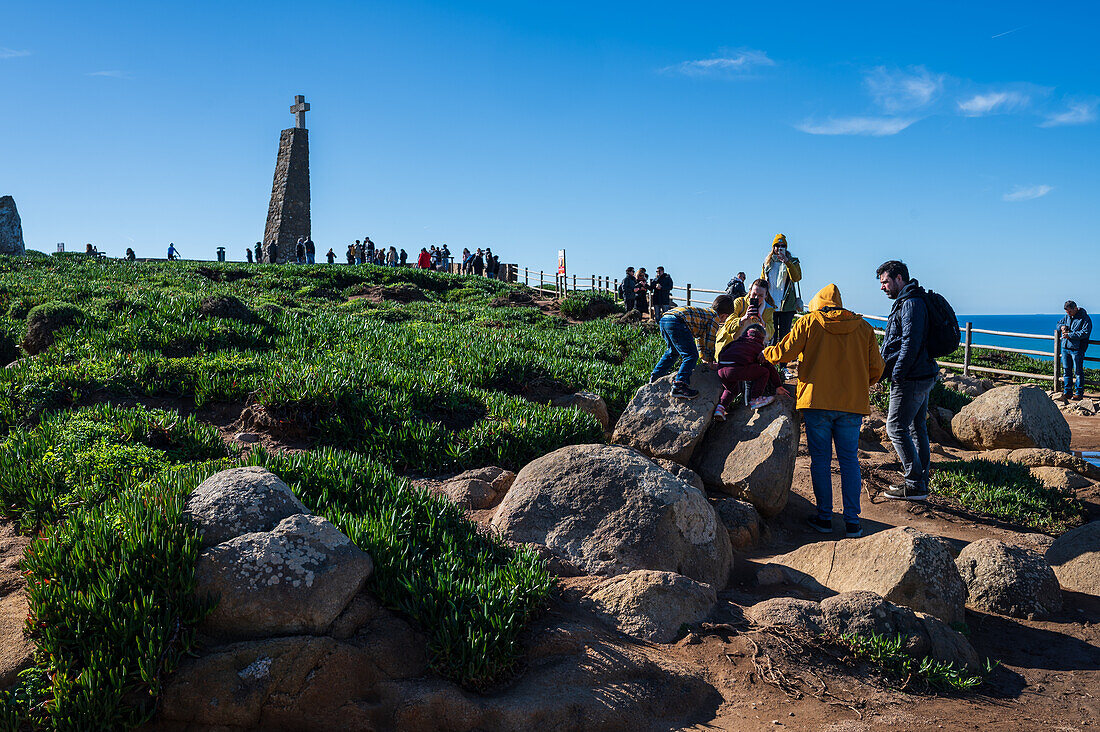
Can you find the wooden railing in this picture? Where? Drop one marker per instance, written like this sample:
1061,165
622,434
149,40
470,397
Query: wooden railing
551,282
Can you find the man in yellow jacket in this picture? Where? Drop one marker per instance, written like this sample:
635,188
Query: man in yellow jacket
839,360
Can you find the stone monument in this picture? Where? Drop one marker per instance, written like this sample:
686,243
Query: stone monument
11,228
288,213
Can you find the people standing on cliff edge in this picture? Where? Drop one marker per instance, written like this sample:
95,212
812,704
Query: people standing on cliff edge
1074,329
838,361
172,253
130,256
782,271
912,374
259,249
311,251
331,256
736,286
661,288
248,255
689,333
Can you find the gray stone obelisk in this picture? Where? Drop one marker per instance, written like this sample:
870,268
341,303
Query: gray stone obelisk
11,228
288,213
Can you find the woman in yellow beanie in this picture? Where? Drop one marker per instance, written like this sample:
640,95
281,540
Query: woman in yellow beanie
782,271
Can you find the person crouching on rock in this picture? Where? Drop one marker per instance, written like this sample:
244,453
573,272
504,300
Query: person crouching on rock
689,331
839,360
742,359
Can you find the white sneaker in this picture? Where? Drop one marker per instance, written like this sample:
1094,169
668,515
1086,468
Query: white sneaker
759,402
788,375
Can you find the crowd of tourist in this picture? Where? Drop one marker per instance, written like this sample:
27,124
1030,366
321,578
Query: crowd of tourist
364,251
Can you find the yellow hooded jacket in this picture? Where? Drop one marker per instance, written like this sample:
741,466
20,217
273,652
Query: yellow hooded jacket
838,356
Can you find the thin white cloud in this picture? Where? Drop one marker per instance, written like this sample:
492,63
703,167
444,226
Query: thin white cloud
903,91
1021,193
1078,113
993,103
12,53
111,74
736,63
869,126
1007,32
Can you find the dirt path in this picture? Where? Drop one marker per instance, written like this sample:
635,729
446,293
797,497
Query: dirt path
1086,432
15,650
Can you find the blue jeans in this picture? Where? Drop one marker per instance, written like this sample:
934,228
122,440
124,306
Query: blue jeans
680,343
824,428
908,430
310,258
1073,362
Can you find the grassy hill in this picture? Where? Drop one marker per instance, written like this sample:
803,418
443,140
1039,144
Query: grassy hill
374,390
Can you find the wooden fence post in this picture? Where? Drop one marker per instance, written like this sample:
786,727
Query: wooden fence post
540,280
1058,360
689,294
616,290
525,277
966,348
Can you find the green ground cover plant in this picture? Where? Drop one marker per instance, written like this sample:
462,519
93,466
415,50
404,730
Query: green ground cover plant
1007,491
888,655
576,304
371,389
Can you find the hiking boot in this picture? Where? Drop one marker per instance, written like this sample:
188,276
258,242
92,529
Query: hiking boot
821,526
1077,397
906,493
853,531
719,413
1065,397
760,402
681,390
653,378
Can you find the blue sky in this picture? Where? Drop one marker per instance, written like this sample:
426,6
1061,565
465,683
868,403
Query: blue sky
960,138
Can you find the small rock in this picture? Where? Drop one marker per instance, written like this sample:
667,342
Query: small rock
1060,478
240,501
652,605
246,437
475,494
1075,558
296,578
585,401
742,520
1008,579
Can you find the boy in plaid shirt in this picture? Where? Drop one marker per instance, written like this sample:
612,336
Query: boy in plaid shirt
689,331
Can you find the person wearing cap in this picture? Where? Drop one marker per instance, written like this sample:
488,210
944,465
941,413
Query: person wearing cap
782,271
626,289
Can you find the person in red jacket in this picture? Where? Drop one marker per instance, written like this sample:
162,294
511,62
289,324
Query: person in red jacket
743,360
424,261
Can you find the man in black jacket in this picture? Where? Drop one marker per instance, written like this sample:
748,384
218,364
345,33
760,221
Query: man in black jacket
662,294
626,288
912,374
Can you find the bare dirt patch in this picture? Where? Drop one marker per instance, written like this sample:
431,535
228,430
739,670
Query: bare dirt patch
15,649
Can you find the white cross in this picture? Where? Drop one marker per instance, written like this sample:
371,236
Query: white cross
301,106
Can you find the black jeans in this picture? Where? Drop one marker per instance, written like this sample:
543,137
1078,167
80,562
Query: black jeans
783,323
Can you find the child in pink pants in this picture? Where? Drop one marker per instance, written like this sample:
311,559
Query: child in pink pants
743,360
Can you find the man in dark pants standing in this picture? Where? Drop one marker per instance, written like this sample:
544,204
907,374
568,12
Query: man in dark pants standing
626,288
662,294
912,374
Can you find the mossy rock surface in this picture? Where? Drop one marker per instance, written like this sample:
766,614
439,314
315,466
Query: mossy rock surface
45,320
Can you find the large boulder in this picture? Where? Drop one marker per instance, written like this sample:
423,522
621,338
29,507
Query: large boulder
751,455
240,501
1011,417
903,565
742,521
862,613
1075,558
609,510
1009,580
11,228
651,605
660,426
296,578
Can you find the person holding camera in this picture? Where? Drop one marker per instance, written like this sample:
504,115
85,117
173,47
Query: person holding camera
1074,330
755,307
662,293
782,271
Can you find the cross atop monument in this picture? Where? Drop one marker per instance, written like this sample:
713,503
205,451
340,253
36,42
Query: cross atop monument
301,106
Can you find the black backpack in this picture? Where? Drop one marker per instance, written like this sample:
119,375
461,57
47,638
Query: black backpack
943,334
